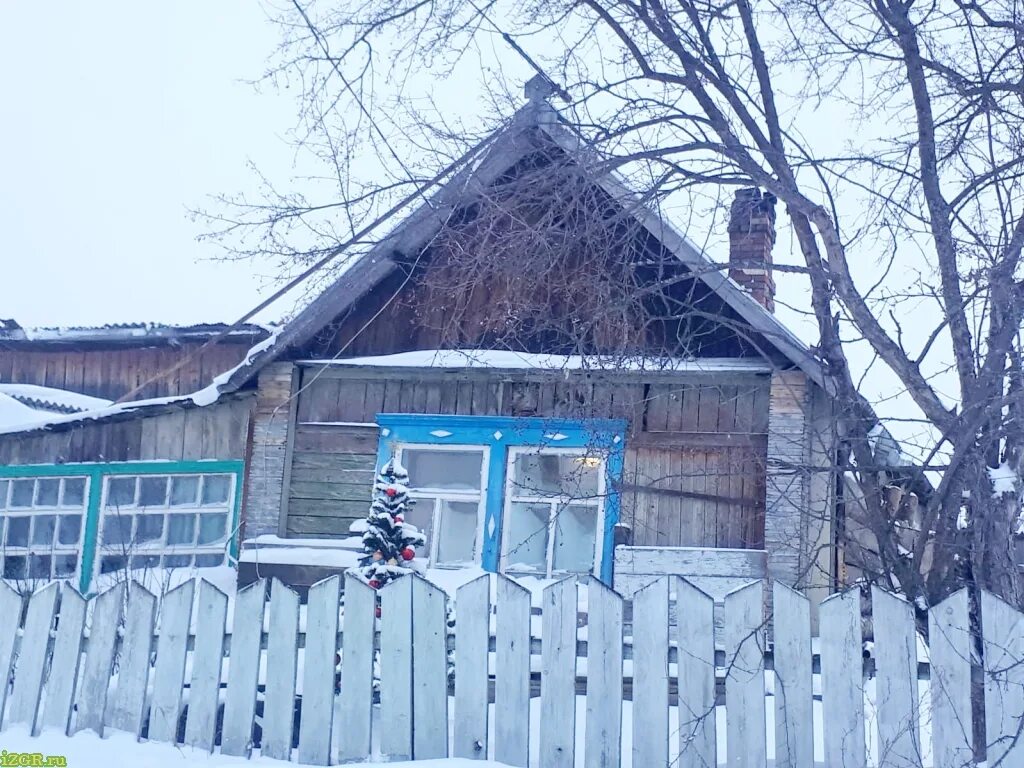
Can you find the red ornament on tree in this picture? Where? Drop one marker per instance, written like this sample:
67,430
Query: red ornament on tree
408,553
374,583
399,519
390,491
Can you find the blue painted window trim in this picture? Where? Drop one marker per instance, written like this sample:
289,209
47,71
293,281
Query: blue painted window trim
500,433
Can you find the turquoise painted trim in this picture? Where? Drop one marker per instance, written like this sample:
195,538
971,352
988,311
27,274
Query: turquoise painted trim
92,527
500,433
96,471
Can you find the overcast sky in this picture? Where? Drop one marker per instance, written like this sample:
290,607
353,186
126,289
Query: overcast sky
118,116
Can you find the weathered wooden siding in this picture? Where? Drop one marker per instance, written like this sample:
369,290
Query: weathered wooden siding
695,446
213,432
111,373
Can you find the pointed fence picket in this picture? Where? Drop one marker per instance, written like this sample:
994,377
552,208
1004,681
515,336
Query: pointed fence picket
656,655
169,671
282,664
207,659
64,663
472,638
512,685
28,674
243,670
126,706
99,660
318,672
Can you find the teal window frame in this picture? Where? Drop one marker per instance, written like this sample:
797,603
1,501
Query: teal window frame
97,472
498,434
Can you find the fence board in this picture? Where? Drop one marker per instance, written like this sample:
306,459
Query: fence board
318,672
698,742
896,683
28,674
244,670
356,701
650,674
512,674
603,738
558,675
949,639
794,711
282,661
472,638
396,670
1003,635
126,707
842,685
67,653
744,680
99,660
429,670
10,605
207,658
169,670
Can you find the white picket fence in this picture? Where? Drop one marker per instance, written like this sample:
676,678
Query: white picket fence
171,673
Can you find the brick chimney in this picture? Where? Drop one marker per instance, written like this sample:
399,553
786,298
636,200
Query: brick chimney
751,237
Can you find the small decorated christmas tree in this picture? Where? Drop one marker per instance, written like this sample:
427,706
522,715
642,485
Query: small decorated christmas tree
388,541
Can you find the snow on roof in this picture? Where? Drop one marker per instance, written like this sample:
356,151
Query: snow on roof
504,359
104,409
14,413
51,398
128,333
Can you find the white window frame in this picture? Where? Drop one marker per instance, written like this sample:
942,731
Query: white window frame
437,495
553,502
55,549
159,548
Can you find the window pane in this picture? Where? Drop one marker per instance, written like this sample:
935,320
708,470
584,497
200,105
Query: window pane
181,529
184,491
216,488
211,528
451,470
121,492
575,538
39,566
457,537
65,565
74,492
117,531
111,563
21,493
43,527
209,561
421,514
553,474
70,529
143,562
47,492
17,532
526,537
4,485
177,561
152,491
149,528
15,567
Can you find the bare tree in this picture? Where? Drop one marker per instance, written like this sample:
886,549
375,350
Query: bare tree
890,131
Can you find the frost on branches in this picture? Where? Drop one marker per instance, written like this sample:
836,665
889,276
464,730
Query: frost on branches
389,542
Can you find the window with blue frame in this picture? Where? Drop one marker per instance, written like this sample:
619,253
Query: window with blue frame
522,495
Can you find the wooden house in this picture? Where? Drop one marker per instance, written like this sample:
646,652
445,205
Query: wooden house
91,489
541,439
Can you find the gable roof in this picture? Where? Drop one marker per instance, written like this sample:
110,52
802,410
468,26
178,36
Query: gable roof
482,166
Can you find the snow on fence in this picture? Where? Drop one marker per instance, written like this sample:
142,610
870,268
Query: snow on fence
638,686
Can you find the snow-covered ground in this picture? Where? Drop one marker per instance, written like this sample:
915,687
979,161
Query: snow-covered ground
87,750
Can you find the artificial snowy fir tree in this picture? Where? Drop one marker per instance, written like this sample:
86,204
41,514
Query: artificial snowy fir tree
388,541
